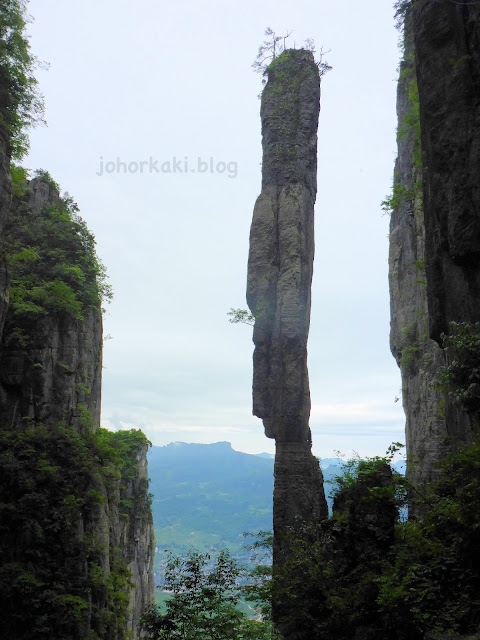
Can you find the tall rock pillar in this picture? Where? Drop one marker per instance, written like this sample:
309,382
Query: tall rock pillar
280,268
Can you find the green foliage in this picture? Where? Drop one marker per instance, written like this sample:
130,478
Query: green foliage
21,105
204,602
409,355
241,316
401,195
51,258
435,580
363,574
366,574
327,583
54,483
274,50
274,46
258,589
460,378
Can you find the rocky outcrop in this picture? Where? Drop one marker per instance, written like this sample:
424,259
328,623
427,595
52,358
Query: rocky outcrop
280,267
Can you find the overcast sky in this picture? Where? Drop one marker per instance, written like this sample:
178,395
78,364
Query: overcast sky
163,82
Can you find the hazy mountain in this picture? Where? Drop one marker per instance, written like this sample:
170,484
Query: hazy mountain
208,495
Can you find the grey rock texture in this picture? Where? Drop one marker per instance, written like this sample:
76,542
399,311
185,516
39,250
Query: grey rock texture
280,268
447,43
280,263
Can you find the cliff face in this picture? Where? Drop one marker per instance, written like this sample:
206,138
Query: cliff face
77,548
418,356
447,45
280,270
434,229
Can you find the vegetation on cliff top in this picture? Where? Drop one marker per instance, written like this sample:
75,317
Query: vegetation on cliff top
51,257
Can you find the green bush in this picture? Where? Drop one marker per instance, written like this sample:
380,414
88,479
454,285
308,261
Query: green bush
460,378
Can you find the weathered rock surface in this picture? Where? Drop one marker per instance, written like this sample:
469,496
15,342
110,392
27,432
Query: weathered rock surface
447,44
280,268
280,263
418,356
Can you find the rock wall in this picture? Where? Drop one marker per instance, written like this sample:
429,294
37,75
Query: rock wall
447,46
433,267
280,268
418,356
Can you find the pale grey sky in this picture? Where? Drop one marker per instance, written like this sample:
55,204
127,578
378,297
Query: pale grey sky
161,82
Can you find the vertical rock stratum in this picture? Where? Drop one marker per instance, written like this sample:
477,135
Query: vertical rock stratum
280,268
